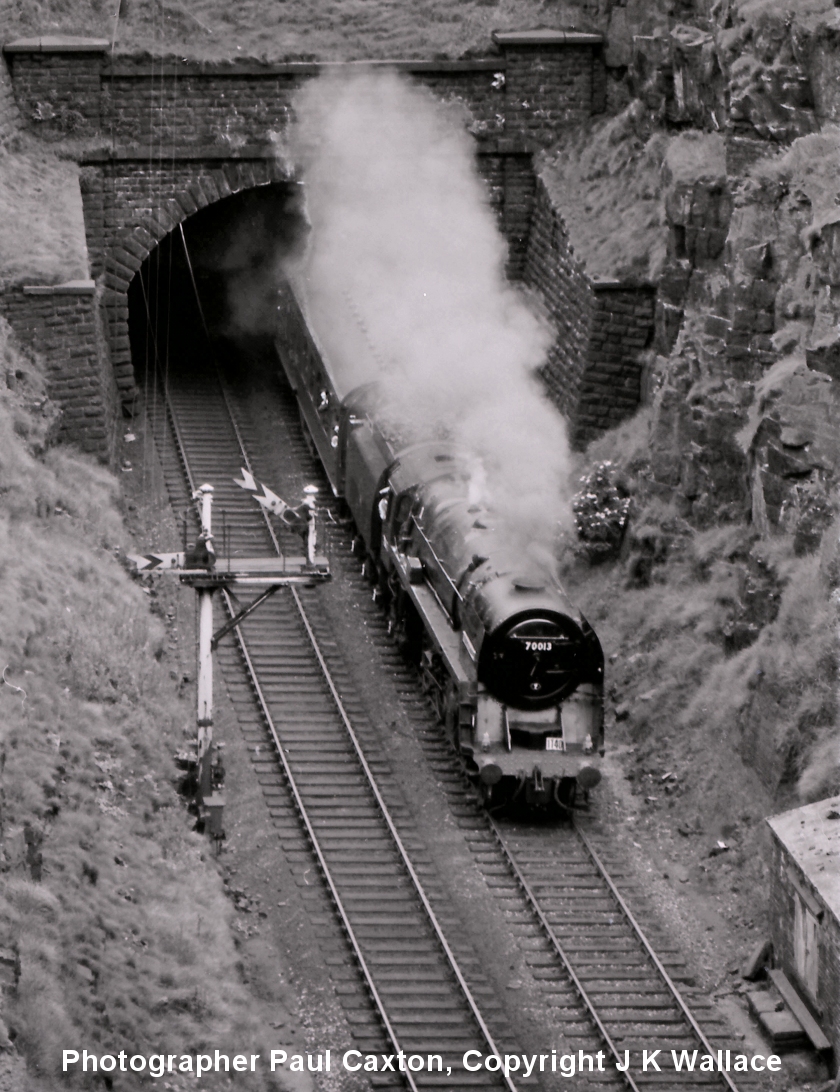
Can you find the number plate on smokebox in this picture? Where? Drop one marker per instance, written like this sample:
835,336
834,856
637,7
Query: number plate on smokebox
555,743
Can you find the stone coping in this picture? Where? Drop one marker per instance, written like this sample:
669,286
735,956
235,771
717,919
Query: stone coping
68,288
125,67
153,155
57,43
544,36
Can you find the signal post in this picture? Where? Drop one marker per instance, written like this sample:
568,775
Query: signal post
200,568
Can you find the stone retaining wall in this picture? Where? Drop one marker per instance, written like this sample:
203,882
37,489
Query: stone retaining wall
177,136
594,367
62,323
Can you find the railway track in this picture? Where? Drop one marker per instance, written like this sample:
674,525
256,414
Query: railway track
602,981
413,976
625,985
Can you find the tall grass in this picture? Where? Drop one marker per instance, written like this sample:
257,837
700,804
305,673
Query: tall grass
324,29
730,641
125,941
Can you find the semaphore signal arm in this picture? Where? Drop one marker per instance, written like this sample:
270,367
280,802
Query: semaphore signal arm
199,567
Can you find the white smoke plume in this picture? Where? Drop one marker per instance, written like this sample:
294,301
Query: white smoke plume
404,279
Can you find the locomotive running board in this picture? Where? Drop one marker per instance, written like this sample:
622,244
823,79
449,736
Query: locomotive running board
447,640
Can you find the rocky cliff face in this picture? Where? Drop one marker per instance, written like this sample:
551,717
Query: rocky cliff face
747,353
724,151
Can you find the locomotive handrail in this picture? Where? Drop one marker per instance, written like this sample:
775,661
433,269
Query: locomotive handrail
446,575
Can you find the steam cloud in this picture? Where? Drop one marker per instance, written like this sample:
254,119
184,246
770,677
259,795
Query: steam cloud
404,282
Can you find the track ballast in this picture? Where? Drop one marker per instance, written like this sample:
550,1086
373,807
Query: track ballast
330,791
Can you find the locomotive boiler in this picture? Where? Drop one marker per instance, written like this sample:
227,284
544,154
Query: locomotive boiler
512,668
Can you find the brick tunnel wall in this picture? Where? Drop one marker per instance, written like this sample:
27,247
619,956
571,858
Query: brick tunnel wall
593,371
175,136
61,323
129,208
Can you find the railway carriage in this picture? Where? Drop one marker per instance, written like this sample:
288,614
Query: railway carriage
512,667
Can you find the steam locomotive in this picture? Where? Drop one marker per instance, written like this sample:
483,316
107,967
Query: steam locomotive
514,671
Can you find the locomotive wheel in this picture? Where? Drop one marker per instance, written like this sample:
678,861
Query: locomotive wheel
436,697
450,713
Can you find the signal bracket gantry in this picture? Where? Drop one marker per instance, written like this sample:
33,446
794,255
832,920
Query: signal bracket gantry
199,567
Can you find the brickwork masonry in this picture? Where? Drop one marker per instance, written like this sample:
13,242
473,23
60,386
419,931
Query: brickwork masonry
594,367
130,207
62,323
176,136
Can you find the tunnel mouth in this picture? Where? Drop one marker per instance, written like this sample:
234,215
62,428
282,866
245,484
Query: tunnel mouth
207,292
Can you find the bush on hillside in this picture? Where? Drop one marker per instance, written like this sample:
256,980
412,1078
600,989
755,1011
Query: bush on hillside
601,510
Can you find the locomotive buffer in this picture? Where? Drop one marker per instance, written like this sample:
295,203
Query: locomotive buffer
200,568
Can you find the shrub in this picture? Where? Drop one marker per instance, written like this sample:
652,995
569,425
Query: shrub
601,509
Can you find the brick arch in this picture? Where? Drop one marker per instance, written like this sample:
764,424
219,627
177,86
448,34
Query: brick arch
133,244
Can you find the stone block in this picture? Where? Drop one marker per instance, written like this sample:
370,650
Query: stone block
824,356
716,326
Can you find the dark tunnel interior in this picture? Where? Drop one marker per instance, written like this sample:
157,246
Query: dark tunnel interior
208,292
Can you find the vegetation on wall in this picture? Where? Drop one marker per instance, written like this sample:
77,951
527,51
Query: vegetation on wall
606,181
42,231
345,30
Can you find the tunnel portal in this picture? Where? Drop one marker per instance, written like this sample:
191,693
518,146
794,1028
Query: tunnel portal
211,283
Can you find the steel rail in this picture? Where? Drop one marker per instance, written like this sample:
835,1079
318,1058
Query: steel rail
415,879
521,880
421,894
657,962
313,838
380,802
167,403
293,787
560,950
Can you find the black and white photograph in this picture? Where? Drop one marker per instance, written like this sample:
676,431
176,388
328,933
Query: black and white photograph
419,545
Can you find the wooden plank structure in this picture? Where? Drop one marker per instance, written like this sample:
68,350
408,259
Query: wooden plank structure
805,918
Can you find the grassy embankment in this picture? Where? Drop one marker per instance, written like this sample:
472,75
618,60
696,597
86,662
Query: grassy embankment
327,30
124,942
716,638
729,640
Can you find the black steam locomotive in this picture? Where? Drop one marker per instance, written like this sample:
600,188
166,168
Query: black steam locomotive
514,671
